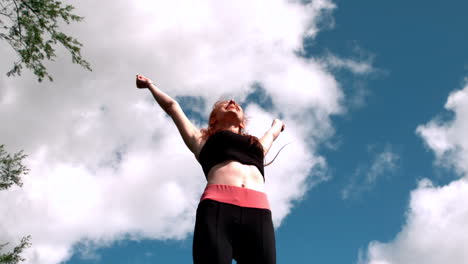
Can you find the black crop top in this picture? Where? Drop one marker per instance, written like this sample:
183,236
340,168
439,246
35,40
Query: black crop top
226,145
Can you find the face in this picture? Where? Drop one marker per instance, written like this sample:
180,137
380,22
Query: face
228,110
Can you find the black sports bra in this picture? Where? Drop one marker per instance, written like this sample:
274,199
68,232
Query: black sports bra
226,145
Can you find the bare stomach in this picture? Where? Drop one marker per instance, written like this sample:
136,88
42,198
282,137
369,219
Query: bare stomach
237,174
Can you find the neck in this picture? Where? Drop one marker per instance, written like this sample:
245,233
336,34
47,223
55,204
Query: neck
231,127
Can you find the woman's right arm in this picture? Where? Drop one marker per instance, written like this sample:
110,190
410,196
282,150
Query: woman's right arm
190,134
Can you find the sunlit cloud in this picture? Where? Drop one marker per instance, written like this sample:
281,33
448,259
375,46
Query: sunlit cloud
106,163
437,216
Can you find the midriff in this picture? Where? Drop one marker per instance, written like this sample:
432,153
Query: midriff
237,174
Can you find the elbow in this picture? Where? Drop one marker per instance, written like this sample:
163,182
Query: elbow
170,107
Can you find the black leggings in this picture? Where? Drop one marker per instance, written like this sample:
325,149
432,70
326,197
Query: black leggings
224,231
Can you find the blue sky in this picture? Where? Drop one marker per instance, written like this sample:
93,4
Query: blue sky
419,52
416,54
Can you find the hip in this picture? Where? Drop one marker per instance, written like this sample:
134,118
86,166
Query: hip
234,195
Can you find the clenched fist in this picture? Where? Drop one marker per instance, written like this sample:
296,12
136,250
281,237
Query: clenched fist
278,122
143,82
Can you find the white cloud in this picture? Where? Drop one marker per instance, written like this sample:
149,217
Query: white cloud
385,161
366,176
435,231
363,66
107,163
448,138
437,217
287,178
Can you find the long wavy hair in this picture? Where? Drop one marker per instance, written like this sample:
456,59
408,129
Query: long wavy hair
210,130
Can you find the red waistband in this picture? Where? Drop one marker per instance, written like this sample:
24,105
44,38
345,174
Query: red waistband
236,195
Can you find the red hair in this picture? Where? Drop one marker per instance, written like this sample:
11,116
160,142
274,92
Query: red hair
210,130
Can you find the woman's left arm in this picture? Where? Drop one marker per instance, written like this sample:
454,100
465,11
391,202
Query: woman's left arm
267,140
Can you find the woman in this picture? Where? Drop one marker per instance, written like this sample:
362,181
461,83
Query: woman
233,217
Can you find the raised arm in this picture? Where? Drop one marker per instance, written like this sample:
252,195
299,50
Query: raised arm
190,134
267,140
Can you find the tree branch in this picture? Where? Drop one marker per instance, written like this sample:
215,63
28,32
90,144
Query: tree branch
38,20
5,14
18,20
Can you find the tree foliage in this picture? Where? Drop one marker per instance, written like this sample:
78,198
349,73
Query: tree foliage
31,28
14,257
11,170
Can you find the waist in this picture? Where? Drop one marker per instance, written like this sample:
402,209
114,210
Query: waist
242,166
239,196
237,174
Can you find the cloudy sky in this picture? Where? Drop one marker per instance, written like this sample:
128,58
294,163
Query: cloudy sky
374,96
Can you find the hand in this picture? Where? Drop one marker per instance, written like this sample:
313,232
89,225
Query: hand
278,122
142,82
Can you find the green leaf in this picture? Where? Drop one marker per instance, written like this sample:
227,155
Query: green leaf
33,33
